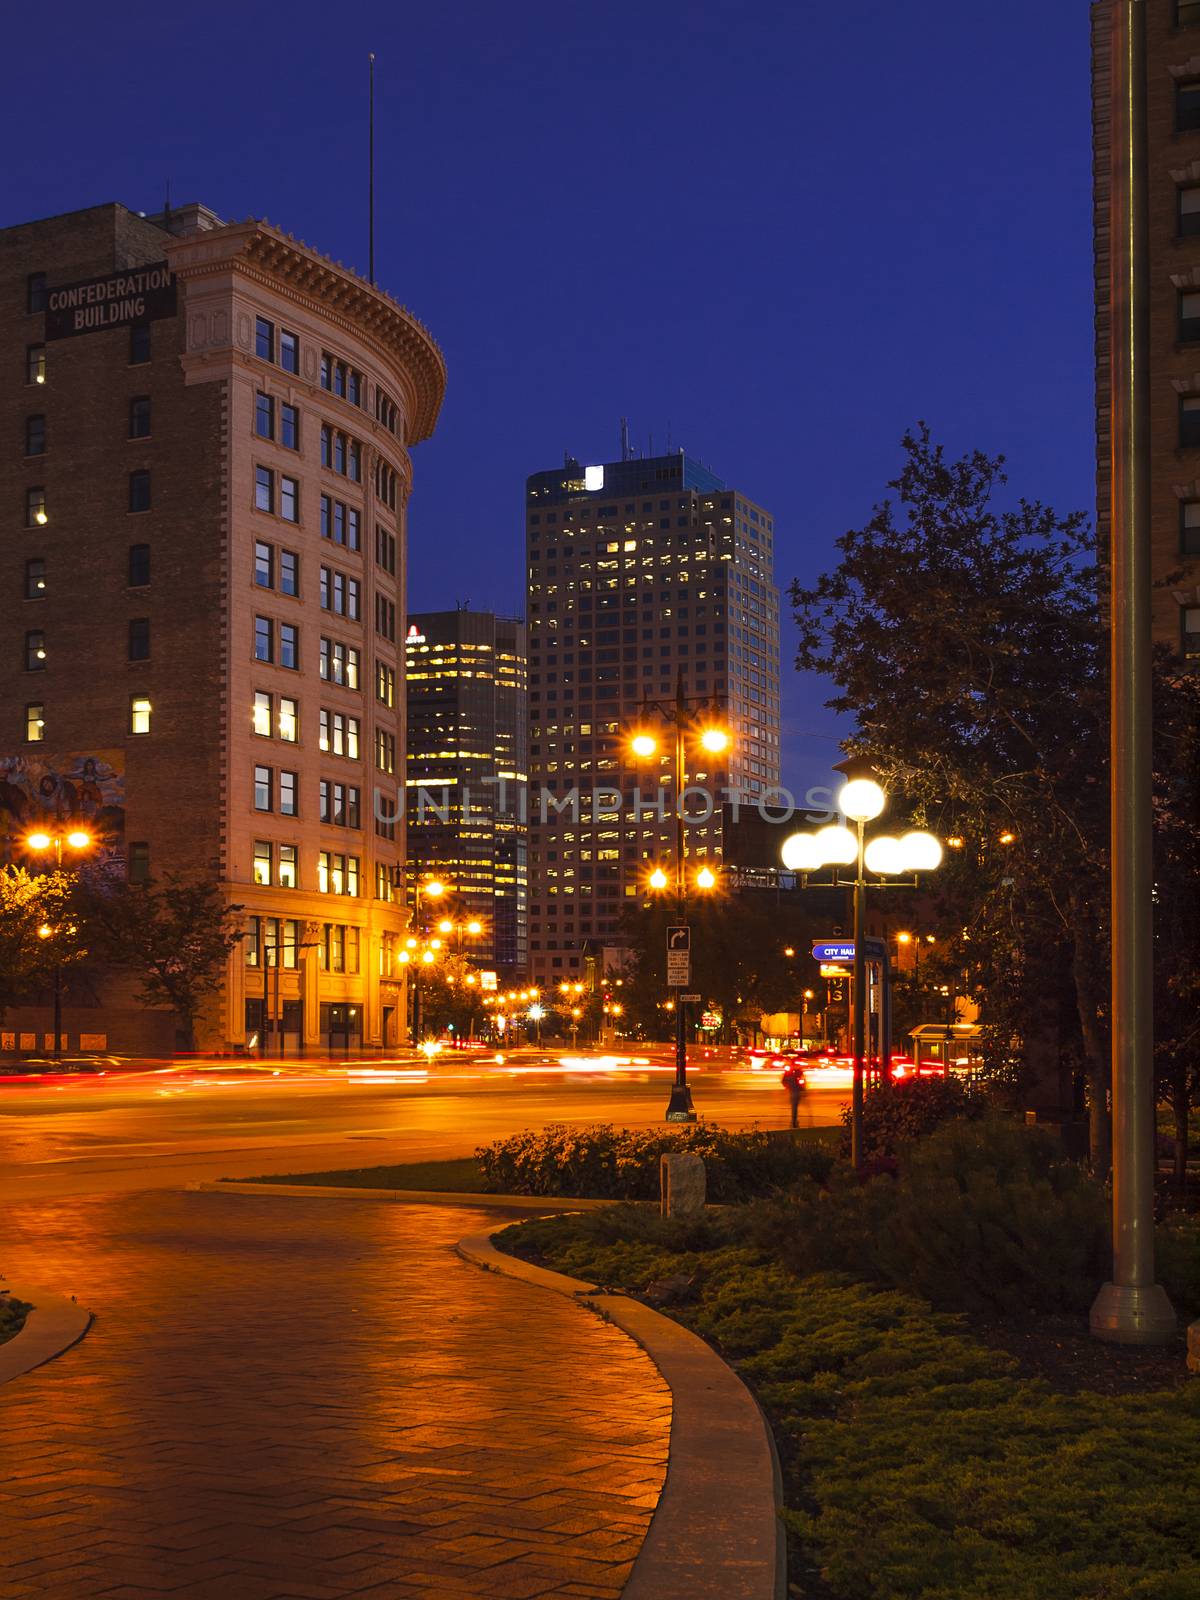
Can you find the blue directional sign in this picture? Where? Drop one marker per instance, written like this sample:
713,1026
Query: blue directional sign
874,949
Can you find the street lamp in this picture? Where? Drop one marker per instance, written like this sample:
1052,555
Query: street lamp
681,719
861,800
40,843
433,889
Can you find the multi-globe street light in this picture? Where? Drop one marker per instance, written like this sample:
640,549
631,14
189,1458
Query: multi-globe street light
681,719
861,800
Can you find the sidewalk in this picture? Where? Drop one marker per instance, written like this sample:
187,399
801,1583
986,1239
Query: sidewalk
304,1400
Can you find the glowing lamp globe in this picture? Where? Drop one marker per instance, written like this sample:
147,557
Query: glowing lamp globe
861,800
922,852
885,856
838,846
644,745
800,853
714,740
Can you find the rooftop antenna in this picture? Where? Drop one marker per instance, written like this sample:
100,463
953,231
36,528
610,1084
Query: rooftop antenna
371,167
626,451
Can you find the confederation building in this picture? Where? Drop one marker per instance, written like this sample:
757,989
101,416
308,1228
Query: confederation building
205,472
642,574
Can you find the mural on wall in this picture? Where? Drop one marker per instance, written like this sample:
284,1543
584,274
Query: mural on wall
52,793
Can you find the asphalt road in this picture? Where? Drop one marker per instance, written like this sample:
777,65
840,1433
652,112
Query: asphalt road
176,1125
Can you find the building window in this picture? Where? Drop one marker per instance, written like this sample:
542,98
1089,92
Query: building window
252,943
289,719
264,565
36,515
385,750
1189,211
339,734
35,292
35,436
385,618
139,639
139,566
384,890
287,794
139,713
289,499
139,491
264,489
263,639
339,663
35,363
262,861
1189,528
262,713
138,869
1190,621
337,873
139,417
289,351
385,684
1187,13
1187,106
1189,421
262,788
288,866
264,339
289,646
35,651
35,578
1189,317
264,416
385,550
289,572
35,722
139,344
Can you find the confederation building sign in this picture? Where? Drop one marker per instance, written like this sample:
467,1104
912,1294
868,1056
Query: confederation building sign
139,294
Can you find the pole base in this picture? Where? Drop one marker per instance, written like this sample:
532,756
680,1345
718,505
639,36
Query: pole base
679,1108
1125,1315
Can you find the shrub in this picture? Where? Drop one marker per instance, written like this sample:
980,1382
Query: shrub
895,1114
1177,1258
985,1216
607,1163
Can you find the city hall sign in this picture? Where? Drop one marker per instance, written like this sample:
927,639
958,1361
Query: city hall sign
139,294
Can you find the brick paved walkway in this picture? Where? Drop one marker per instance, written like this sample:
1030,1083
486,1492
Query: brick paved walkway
289,1399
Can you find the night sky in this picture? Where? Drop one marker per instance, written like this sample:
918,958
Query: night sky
778,233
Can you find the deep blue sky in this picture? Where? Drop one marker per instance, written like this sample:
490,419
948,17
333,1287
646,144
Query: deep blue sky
785,229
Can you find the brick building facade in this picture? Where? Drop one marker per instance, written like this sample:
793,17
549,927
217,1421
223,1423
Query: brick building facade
1173,145
206,473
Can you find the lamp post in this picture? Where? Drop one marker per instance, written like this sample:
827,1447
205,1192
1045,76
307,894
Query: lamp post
713,740
861,801
433,889
1131,1308
39,843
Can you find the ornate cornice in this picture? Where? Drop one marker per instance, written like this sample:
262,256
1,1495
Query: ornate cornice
286,264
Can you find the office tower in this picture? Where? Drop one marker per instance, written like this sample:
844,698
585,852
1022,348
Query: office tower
641,573
207,466
465,774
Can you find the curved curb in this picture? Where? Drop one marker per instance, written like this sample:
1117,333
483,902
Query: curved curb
716,1533
53,1326
416,1197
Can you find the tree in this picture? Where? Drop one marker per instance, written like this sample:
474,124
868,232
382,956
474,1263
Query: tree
39,932
967,641
175,935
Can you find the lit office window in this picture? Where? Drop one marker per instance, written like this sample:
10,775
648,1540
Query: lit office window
288,866
262,861
262,713
139,713
35,363
289,719
35,723
35,651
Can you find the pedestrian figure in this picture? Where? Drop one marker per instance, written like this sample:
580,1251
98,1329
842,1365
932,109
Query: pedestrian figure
793,1081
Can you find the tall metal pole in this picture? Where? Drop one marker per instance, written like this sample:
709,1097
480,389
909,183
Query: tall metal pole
860,1002
1132,1309
679,1108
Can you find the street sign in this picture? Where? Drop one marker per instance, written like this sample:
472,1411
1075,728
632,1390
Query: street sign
679,969
830,969
679,938
690,999
488,980
875,950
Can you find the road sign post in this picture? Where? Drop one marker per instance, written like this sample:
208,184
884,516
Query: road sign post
679,977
